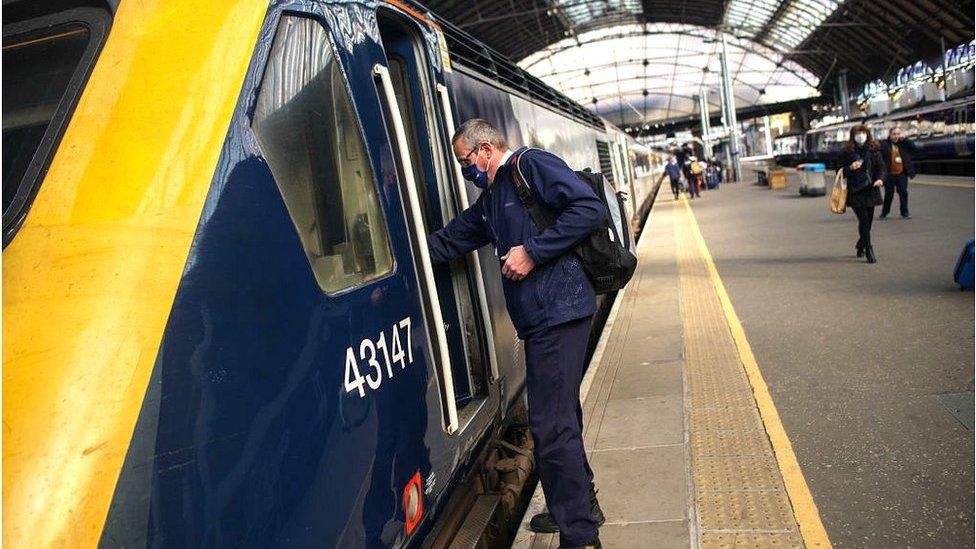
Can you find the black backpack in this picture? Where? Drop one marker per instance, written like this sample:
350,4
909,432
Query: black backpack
605,252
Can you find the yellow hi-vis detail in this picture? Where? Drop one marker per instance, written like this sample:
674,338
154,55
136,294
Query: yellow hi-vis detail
89,281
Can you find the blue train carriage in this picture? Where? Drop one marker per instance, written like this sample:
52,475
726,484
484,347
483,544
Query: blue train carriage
825,144
788,149
222,324
943,133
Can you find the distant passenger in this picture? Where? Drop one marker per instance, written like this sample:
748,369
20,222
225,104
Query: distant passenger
673,169
694,177
714,163
865,172
897,153
550,300
684,158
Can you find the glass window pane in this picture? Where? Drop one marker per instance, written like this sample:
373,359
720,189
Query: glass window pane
307,129
37,68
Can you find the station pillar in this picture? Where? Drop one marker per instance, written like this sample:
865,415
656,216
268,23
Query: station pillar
705,125
728,104
845,95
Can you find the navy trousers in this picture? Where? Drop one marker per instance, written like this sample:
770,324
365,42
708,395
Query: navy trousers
554,360
895,183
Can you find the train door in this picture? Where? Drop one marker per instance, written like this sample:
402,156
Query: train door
410,108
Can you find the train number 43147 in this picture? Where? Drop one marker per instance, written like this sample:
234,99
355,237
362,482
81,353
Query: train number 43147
390,351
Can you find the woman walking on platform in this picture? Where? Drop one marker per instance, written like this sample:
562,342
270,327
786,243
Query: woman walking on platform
865,173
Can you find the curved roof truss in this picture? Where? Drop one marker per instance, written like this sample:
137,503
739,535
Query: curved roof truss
869,38
640,73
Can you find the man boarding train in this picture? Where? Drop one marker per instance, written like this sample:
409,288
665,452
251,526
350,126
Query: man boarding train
550,300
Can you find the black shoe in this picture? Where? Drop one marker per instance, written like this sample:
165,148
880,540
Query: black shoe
869,251
906,216
543,523
883,217
859,248
595,544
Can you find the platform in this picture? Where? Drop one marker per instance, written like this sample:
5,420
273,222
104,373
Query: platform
727,406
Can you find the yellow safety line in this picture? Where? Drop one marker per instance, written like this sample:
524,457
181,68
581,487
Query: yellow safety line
804,508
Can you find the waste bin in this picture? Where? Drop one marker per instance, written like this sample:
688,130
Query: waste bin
813,179
762,178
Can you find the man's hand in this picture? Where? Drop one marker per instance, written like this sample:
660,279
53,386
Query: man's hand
879,183
517,264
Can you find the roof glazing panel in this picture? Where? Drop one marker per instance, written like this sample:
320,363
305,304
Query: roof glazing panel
798,21
748,17
649,73
581,12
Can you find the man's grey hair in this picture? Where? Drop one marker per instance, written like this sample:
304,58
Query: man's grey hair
476,131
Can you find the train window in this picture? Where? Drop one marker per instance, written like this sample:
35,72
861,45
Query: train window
307,129
46,61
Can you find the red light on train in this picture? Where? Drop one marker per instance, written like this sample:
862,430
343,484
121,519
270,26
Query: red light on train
413,502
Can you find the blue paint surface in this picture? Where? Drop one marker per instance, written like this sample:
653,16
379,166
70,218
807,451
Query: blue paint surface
247,436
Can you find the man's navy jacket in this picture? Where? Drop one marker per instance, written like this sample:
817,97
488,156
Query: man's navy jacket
557,290
673,170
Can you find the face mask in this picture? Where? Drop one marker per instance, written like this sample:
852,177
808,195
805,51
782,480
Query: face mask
474,175
861,138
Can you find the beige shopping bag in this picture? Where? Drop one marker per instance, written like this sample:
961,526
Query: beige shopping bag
838,195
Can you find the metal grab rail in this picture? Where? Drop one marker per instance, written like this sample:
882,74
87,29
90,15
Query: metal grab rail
447,377
463,197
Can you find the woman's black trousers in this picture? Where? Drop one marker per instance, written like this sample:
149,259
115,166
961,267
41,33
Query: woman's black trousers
864,218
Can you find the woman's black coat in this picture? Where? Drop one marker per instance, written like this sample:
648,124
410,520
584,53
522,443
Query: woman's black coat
860,190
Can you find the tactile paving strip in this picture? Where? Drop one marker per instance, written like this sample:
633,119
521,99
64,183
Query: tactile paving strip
741,541
740,498
736,473
726,444
745,511
738,419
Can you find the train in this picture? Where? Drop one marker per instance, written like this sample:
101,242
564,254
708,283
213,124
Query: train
221,325
943,132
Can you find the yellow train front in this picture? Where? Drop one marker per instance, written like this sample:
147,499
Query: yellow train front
221,326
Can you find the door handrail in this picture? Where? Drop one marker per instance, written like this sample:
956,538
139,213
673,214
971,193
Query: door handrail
463,198
426,267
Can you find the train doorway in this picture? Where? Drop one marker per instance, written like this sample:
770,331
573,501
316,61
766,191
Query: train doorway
455,282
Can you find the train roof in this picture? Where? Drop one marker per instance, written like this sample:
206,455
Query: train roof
790,134
841,124
477,57
929,107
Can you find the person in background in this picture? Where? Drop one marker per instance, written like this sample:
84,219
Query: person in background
711,175
684,159
694,177
714,162
679,153
864,170
897,154
673,169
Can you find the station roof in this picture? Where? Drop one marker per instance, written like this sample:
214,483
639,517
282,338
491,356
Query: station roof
637,62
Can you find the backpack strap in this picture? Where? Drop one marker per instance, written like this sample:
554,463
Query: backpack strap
541,217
